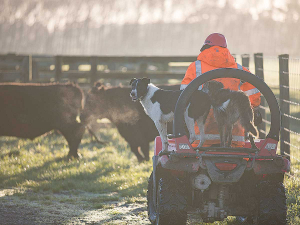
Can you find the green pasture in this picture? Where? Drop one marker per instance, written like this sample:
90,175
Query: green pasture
39,173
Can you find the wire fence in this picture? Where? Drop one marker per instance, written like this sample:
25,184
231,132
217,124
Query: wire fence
294,107
282,74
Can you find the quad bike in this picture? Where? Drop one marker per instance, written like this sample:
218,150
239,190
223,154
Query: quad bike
216,182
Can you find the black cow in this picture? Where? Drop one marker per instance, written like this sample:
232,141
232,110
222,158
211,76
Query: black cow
30,110
129,117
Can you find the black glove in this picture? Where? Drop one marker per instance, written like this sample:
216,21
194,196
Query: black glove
257,117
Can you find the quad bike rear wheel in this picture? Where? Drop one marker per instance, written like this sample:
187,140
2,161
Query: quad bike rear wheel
171,202
272,203
151,205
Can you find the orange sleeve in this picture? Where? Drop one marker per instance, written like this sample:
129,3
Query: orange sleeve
253,94
254,97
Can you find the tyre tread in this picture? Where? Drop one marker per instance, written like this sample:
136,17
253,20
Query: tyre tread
272,203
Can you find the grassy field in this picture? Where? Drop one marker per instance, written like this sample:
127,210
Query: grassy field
106,186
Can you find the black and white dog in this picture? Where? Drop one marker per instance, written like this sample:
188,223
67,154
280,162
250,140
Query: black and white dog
160,104
229,107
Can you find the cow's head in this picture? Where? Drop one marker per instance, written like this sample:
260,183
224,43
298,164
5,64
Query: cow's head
139,88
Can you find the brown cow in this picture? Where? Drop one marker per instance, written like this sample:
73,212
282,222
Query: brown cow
30,110
129,117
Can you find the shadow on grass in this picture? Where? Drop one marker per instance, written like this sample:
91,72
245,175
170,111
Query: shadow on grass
16,144
30,174
12,153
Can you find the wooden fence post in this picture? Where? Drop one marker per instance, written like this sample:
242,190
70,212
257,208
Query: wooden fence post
93,75
284,96
26,69
58,70
35,70
259,71
30,68
245,60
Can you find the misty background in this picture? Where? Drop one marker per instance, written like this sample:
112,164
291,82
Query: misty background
147,27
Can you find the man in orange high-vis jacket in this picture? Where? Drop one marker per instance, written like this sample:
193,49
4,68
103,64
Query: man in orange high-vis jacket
213,55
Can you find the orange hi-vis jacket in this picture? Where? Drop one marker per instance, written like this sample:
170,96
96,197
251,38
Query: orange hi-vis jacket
214,58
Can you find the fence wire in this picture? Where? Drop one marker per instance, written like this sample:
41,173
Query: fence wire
288,97
294,105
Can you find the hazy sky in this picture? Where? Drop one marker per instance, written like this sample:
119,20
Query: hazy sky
53,13
123,26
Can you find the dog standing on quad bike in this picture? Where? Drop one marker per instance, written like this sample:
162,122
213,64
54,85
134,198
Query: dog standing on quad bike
229,107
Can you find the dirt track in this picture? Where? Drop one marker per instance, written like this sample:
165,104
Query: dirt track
17,210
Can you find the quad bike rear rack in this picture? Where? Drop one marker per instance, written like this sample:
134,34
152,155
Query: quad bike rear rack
215,152
223,153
